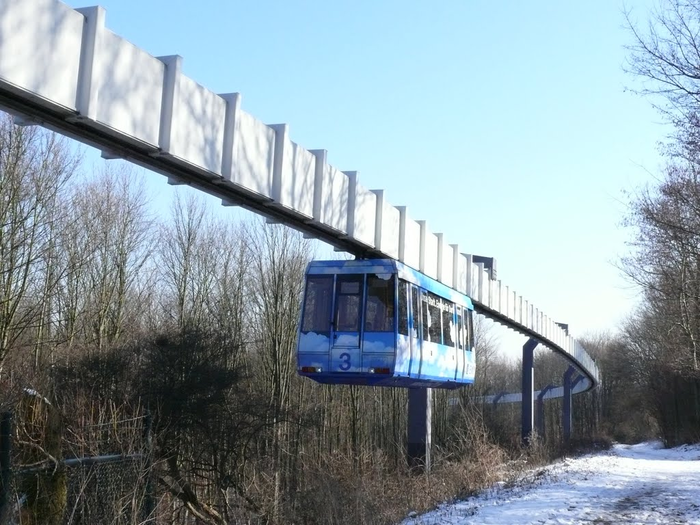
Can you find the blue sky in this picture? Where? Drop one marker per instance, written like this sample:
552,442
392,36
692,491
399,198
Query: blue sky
506,125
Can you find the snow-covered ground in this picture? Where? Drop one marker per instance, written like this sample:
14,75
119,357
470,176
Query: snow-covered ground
640,484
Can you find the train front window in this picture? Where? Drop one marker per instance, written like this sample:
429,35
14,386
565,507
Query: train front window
379,311
348,303
317,304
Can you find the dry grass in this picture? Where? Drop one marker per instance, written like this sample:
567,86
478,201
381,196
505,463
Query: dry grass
371,489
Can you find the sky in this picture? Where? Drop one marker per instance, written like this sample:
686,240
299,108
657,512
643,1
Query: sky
640,484
508,126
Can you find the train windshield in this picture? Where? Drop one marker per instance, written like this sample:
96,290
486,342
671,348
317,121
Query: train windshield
371,302
348,303
317,306
379,312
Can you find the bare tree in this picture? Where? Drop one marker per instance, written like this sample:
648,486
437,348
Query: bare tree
228,301
105,243
189,261
665,261
486,347
278,261
662,338
34,168
665,56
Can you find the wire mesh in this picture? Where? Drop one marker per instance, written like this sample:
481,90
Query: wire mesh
105,493
91,491
106,482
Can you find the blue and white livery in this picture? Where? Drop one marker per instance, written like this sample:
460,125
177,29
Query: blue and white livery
378,322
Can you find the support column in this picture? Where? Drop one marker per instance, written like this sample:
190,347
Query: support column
567,412
419,427
527,389
566,404
497,398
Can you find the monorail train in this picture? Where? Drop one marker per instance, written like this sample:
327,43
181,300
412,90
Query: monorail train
378,322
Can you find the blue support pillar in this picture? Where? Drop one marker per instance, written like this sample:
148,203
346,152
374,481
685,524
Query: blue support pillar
497,398
540,410
419,427
527,389
566,405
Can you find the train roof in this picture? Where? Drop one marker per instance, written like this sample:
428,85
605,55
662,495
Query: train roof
389,266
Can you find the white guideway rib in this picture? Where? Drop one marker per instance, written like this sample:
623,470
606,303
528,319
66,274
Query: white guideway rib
630,484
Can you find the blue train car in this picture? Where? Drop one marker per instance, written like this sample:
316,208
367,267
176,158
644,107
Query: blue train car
378,322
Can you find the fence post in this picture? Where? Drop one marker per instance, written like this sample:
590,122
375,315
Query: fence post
149,500
5,465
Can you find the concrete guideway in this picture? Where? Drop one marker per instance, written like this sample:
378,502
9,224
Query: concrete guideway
63,69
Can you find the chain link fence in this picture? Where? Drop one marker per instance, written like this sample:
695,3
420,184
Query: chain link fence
111,489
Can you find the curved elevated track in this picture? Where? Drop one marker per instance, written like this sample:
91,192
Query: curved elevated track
63,69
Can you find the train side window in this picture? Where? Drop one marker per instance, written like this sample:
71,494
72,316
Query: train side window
448,323
434,306
379,311
403,307
469,336
348,303
425,318
317,304
460,329
415,312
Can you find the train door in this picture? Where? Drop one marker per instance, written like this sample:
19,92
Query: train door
415,332
345,328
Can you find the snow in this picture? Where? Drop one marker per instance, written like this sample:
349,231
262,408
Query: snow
629,484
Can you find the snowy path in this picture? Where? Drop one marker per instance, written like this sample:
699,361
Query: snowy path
639,484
